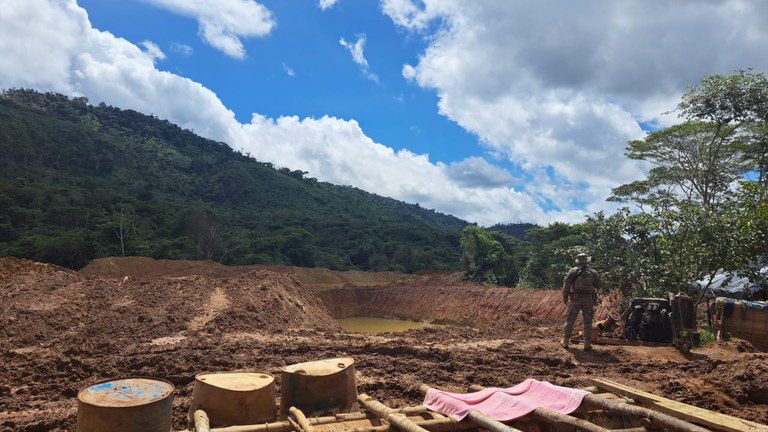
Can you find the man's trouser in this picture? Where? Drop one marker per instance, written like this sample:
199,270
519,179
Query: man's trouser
585,304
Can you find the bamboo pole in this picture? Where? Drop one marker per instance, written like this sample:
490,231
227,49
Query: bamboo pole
480,418
294,426
656,418
301,419
434,425
549,416
412,410
285,426
395,418
202,424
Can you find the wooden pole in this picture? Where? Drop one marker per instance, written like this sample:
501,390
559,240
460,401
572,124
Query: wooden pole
301,419
395,418
480,418
433,425
285,426
709,419
201,421
549,416
656,418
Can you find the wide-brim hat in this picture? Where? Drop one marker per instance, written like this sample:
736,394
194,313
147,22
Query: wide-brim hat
583,258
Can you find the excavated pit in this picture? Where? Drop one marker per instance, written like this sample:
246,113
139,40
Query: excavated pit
62,331
440,300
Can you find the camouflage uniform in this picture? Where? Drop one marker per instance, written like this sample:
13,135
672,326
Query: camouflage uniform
580,293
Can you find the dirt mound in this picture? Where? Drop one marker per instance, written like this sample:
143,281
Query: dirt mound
321,279
148,268
46,304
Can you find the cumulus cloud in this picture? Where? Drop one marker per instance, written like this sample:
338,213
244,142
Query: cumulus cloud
477,172
50,45
327,4
223,23
153,50
567,134
63,52
357,50
408,13
559,87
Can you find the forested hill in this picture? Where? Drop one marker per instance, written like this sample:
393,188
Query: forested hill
517,230
75,179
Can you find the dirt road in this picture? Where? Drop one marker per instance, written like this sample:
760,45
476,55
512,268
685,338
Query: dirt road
63,331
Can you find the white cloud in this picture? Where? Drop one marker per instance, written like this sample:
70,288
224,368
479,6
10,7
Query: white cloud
289,70
63,52
357,50
408,14
327,4
224,22
409,72
182,49
477,172
153,50
559,87
50,45
568,138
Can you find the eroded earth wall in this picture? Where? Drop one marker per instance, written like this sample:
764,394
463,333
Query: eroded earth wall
435,300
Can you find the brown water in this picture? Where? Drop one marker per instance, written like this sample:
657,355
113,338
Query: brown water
380,325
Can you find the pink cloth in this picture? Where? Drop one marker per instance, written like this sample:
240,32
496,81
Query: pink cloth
506,404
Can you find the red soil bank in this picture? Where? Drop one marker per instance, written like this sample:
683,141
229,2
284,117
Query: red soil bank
429,299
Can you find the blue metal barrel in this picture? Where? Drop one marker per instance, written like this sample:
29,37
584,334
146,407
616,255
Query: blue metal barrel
126,404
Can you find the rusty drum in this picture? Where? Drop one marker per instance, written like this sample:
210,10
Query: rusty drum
126,404
319,387
234,398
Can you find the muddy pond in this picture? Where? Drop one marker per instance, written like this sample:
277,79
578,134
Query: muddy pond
380,325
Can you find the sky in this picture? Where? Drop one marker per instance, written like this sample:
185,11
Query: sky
495,111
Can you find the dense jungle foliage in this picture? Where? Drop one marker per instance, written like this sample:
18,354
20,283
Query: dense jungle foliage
79,182
702,208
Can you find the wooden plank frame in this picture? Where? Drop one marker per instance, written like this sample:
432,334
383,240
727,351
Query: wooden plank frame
710,419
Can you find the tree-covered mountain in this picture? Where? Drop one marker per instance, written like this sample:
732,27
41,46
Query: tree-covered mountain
79,182
517,230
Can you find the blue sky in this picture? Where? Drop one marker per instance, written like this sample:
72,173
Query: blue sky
326,81
492,110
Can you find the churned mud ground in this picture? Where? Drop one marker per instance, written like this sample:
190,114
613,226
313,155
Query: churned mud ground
64,330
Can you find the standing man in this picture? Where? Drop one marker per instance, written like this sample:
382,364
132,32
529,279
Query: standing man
580,294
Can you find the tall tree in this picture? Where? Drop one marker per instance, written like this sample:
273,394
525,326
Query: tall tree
722,137
123,220
699,210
